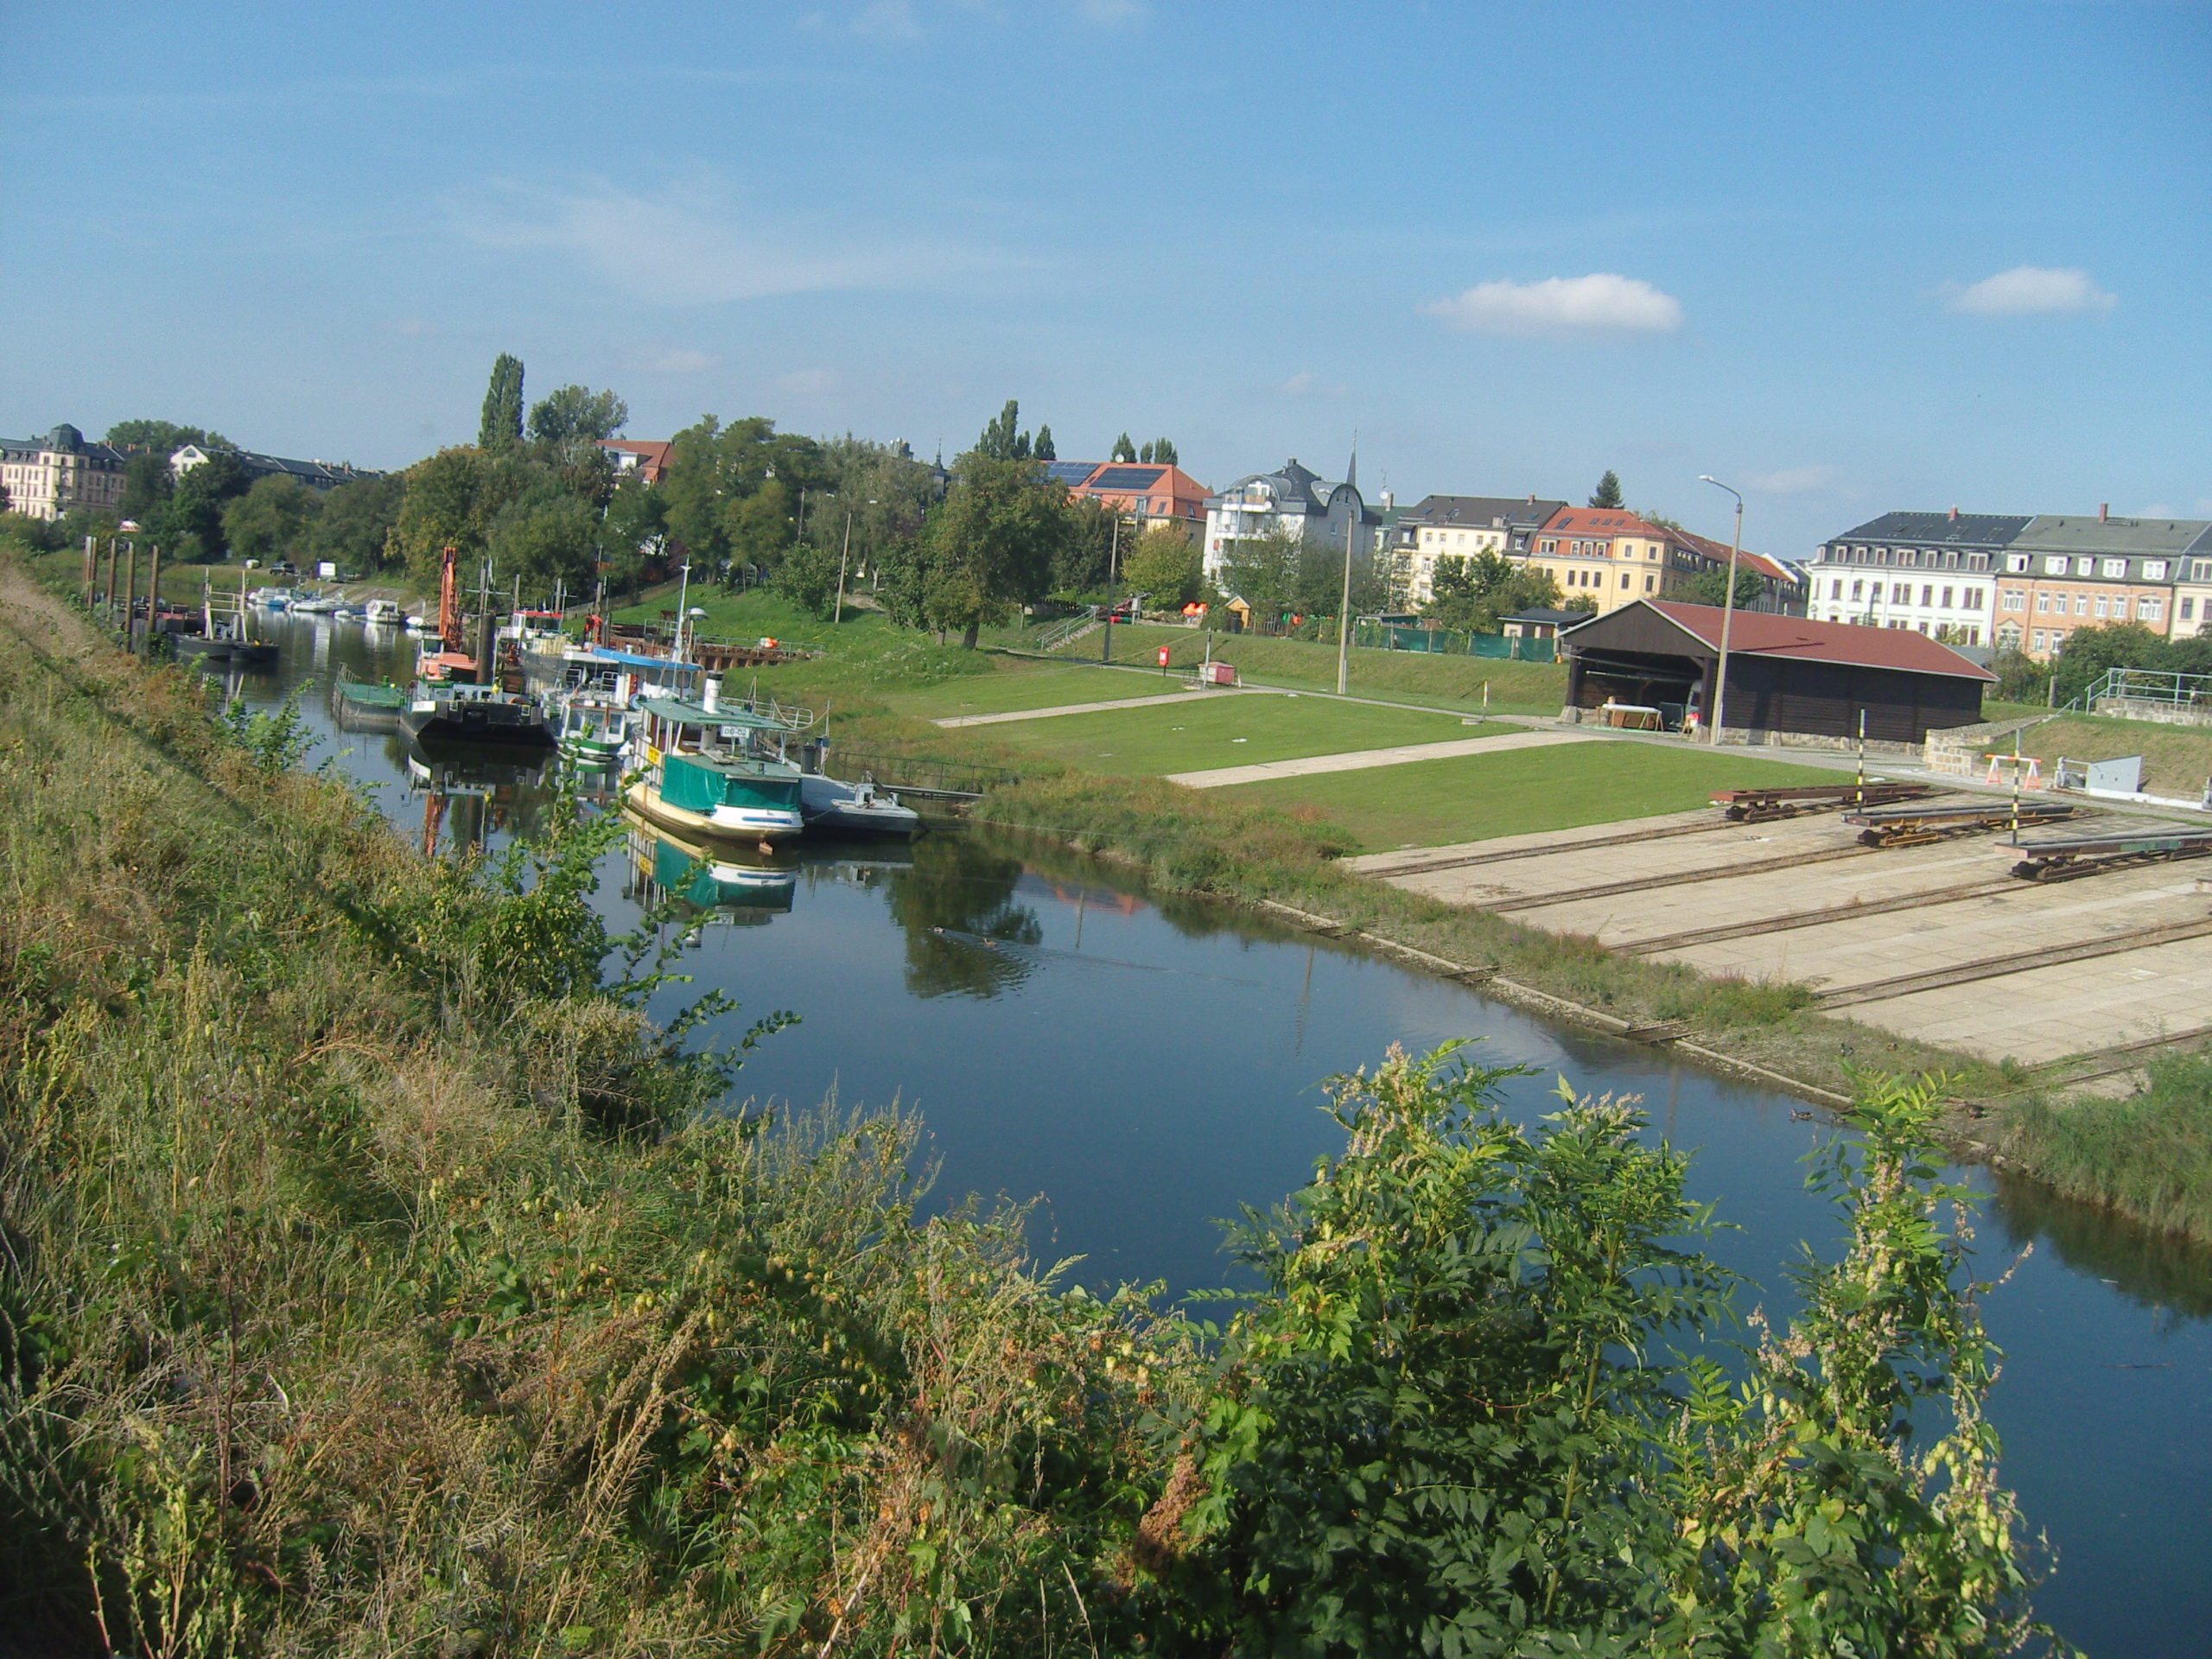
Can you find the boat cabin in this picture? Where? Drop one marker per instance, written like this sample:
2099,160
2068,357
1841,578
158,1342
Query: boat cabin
724,766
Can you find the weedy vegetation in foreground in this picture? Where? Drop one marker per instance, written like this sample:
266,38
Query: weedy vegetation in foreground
379,1279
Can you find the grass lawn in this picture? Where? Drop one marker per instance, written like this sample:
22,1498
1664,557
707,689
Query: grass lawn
1310,665
1194,736
2177,760
1018,683
1433,803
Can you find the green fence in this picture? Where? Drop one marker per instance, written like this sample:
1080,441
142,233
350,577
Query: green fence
1447,642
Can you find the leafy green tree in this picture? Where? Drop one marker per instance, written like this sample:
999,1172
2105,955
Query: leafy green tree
546,536
990,545
1709,587
1160,450
881,488
1263,570
501,426
452,498
1003,439
573,414
1086,555
1608,493
761,527
148,483
190,523
271,519
2090,653
1044,449
1580,601
807,575
1471,594
1124,449
1449,1422
712,466
353,530
163,438
631,531
1166,564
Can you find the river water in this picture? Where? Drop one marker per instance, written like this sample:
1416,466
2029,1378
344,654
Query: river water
1141,1065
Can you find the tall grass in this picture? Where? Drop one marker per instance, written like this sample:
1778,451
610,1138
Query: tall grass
2148,1154
361,1295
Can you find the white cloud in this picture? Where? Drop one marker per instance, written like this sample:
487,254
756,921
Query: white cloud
1306,383
687,247
1601,303
677,360
809,383
2030,291
1791,481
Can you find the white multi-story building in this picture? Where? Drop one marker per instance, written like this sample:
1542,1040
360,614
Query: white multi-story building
1294,500
48,475
2193,597
1934,573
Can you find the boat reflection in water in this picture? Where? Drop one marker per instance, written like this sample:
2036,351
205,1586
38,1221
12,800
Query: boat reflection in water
703,881
480,790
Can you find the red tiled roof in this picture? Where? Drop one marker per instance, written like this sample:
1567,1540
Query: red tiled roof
1599,521
1758,634
1759,563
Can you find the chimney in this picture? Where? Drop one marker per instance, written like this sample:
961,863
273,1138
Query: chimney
1532,498
710,697
2104,511
1955,515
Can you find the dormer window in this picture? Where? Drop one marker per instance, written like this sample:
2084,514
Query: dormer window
2053,567
2154,570
2115,568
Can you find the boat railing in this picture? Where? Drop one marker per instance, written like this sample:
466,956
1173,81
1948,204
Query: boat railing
921,773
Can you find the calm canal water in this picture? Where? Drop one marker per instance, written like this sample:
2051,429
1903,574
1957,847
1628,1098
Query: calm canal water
1140,1065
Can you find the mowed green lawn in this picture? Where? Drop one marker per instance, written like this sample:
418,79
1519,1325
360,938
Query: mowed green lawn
1433,803
1235,731
1015,685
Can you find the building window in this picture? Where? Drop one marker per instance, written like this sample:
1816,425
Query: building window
2053,567
2042,603
1906,556
2188,609
1547,547
2081,604
1901,592
1927,595
2200,569
2102,602
1946,599
2015,599
2154,570
1839,588
2116,568
1649,582
2150,610
1858,589
1624,578
2043,640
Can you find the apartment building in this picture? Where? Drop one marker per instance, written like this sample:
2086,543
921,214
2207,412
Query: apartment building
1458,527
2193,598
1611,557
2090,571
50,474
1934,573
316,474
1291,499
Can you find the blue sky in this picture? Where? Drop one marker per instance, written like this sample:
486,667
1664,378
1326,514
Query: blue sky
1850,258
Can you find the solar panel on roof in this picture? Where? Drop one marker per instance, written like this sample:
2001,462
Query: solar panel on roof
1126,477
1069,472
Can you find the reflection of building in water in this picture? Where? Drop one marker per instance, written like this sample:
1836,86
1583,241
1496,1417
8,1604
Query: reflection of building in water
693,884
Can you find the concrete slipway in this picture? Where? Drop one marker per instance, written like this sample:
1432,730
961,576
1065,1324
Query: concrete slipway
1939,943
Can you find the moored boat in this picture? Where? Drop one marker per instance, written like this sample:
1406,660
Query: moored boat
453,712
716,771
854,809
593,724
383,613
725,883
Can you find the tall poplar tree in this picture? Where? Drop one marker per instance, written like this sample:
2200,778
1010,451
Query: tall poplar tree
501,427
1044,449
1124,449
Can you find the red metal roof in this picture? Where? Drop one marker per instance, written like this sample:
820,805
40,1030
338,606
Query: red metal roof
1758,634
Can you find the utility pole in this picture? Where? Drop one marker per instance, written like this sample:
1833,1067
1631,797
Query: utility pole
1343,611
838,615
1727,608
1112,553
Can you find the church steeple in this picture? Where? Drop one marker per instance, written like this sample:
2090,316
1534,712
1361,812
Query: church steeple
1352,467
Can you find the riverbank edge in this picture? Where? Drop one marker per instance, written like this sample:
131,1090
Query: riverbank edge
1286,867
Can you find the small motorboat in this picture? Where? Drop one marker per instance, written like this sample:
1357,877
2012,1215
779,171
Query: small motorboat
383,613
270,599
856,808
314,604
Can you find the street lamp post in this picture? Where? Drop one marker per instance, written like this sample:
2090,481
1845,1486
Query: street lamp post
1344,609
1727,606
842,558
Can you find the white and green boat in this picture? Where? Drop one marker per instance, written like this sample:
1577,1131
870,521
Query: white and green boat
594,725
715,771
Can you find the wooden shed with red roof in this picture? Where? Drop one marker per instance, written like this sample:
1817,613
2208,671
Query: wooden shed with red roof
1787,677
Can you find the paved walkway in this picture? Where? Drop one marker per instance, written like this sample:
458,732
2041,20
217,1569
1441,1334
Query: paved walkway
1360,760
1097,708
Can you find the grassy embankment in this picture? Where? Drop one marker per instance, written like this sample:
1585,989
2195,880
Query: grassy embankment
1281,843
370,1286
2177,760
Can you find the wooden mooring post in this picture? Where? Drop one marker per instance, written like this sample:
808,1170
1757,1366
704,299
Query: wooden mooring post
130,596
153,595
